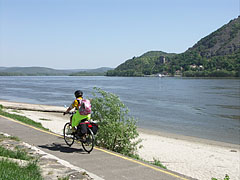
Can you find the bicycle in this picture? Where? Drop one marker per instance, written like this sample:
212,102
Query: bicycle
69,137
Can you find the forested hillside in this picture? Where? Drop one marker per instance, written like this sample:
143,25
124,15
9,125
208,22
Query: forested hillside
43,71
217,55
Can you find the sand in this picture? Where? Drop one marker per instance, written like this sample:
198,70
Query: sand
197,158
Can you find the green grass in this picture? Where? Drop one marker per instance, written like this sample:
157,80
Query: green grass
9,137
44,119
225,178
17,154
10,170
16,111
158,163
22,119
154,162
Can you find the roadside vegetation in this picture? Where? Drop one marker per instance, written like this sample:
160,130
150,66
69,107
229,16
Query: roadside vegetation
225,178
118,131
17,154
22,119
8,137
12,170
156,162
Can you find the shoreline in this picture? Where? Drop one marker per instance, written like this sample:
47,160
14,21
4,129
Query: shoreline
59,109
188,138
194,157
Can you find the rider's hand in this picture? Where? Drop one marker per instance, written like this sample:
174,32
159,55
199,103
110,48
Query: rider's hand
64,113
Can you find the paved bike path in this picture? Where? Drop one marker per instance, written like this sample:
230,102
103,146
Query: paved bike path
105,164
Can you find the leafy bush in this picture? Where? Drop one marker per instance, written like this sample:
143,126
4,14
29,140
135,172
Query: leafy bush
117,131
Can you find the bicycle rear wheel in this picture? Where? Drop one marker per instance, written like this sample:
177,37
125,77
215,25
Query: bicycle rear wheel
68,137
89,143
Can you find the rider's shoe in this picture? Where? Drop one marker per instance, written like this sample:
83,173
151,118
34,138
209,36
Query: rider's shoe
71,131
82,139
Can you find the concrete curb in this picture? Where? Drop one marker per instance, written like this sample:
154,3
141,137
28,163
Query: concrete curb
51,166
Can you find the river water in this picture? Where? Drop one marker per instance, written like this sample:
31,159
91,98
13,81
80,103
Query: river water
204,108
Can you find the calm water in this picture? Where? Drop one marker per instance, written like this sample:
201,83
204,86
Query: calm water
205,108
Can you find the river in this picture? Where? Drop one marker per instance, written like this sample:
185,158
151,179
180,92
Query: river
203,108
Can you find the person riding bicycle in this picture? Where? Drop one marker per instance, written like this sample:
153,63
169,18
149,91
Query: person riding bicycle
78,117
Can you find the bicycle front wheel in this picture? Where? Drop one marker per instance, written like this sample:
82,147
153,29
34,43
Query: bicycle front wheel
89,143
67,133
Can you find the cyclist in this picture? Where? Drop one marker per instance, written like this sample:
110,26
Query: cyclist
77,117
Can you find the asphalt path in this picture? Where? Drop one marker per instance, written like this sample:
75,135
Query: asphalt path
103,163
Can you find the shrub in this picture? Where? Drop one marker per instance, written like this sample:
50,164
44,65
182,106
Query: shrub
117,131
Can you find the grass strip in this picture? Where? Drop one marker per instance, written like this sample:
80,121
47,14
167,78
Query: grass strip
10,170
155,161
22,119
18,154
9,137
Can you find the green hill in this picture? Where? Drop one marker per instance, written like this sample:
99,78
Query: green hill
217,54
92,72
32,71
43,71
149,63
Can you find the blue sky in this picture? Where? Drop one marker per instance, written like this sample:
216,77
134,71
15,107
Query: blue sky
68,34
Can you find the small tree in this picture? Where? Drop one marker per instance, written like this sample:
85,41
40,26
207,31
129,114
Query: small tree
117,131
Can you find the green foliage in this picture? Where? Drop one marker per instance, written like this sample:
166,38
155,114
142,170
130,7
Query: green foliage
117,131
22,119
17,154
11,74
215,73
84,73
64,178
10,170
156,162
9,137
225,178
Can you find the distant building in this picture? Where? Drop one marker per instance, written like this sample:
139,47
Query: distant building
197,67
193,66
162,59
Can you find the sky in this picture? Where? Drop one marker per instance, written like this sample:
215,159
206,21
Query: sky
76,34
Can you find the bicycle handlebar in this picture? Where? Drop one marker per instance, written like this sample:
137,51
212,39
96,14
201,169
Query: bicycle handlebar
71,113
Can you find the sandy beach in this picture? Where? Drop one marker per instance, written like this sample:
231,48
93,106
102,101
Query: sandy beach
197,158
